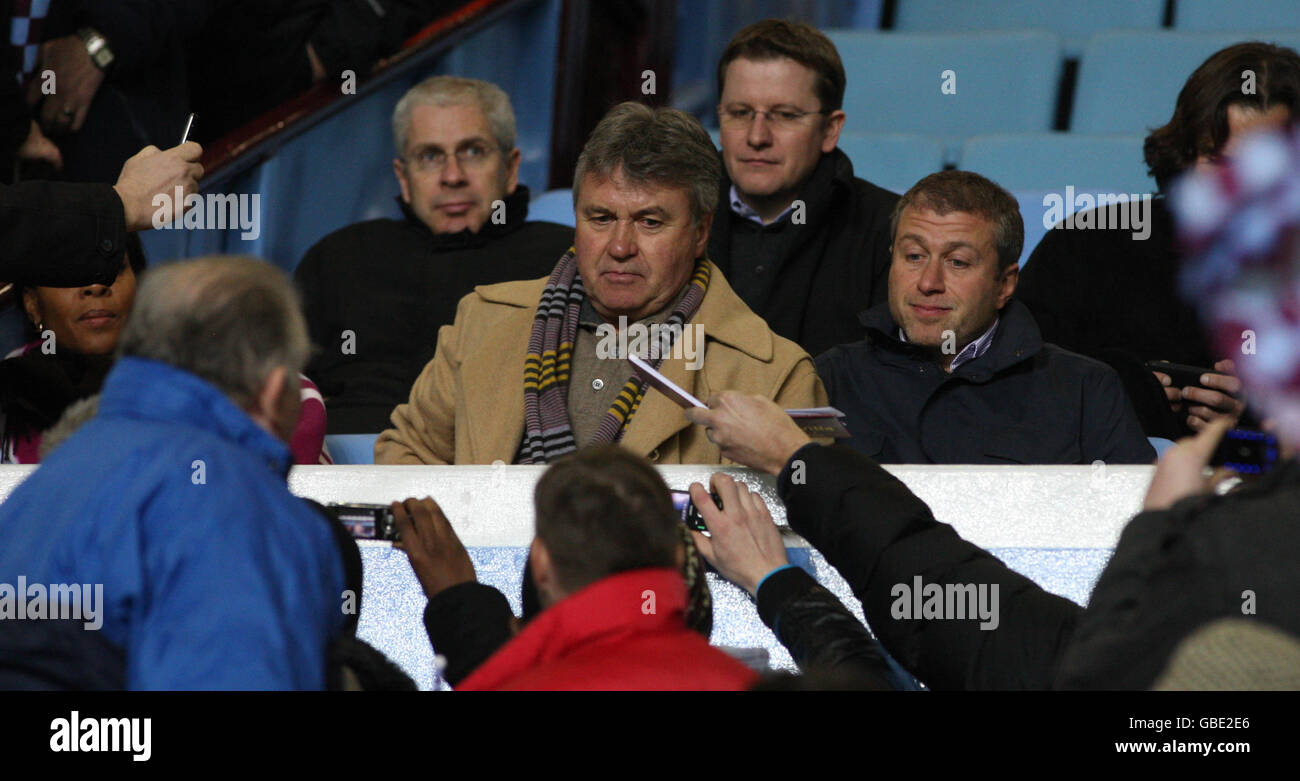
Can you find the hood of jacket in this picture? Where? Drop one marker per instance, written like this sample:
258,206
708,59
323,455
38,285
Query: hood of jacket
143,389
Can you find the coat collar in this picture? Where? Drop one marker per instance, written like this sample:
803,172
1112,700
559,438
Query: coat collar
725,317
148,390
607,611
499,385
1017,339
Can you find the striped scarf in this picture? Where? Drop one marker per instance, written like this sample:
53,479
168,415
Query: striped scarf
548,433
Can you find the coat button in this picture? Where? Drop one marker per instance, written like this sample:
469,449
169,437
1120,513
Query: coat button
597,384
106,245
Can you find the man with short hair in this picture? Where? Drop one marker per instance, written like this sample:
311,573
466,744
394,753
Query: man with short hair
953,370
377,292
171,501
804,242
532,370
605,561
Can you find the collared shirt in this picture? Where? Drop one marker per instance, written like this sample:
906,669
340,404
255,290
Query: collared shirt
595,382
971,351
742,209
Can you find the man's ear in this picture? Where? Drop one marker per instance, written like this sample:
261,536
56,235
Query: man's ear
266,406
539,559
32,306
513,158
831,133
399,170
702,237
1010,278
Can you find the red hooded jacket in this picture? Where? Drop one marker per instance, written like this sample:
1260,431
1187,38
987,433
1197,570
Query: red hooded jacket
625,631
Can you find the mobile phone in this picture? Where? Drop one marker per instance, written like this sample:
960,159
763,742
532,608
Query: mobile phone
690,514
1246,451
1180,374
366,521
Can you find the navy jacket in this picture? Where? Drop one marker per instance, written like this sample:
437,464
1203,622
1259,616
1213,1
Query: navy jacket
174,501
1022,402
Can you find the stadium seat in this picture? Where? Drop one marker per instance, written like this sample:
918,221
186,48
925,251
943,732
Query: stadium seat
1074,21
1160,444
552,206
894,161
1000,82
1218,15
1048,161
1129,81
352,448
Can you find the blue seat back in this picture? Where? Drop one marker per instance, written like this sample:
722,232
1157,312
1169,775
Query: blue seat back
352,448
1074,21
894,161
996,82
553,206
1045,161
1129,81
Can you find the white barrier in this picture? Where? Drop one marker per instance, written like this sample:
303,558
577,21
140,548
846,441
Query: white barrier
1056,525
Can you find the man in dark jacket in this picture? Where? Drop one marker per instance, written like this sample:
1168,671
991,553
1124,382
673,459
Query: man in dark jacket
1190,558
377,292
801,240
1111,293
117,78
954,371
64,234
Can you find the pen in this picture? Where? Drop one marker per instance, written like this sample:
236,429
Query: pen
189,123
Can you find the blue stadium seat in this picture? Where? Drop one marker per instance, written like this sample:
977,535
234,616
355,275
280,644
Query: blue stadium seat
1074,21
1004,82
1047,161
1160,444
552,206
352,448
894,161
1128,81
1217,15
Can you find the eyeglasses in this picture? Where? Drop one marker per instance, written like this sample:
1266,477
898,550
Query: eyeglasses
779,118
431,159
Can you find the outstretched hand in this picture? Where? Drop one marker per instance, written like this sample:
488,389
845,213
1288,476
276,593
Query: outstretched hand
436,554
750,430
746,545
1181,470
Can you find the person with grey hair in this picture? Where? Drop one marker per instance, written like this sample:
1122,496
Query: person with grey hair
532,370
172,500
377,292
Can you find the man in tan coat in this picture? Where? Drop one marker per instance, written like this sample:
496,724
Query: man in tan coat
533,369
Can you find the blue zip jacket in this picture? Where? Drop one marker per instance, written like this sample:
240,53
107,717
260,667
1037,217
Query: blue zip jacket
214,576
